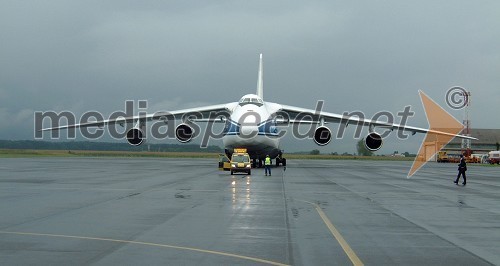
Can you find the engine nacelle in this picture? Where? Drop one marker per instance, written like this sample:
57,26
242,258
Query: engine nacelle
135,137
373,141
322,136
184,133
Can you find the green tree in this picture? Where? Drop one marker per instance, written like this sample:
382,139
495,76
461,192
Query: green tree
314,152
362,150
498,146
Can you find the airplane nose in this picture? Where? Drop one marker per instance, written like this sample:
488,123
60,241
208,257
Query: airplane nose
249,127
249,131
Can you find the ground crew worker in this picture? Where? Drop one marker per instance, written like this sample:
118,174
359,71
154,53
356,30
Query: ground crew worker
267,165
462,167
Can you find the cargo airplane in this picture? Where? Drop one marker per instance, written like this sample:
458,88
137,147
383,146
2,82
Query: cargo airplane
253,123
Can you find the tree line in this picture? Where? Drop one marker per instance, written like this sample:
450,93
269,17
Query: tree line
103,146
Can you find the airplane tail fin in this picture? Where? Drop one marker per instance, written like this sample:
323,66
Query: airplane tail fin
260,81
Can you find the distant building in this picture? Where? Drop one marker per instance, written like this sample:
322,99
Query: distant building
488,140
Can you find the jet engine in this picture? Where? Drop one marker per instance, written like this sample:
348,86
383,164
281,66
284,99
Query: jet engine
322,135
184,133
373,141
135,137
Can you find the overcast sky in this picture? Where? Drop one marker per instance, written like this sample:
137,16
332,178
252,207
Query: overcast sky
368,56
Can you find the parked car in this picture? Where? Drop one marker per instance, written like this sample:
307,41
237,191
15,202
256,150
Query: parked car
494,157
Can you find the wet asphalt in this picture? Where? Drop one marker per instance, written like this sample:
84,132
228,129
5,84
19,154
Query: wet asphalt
130,211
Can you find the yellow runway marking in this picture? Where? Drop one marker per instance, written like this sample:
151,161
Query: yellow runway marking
148,244
340,239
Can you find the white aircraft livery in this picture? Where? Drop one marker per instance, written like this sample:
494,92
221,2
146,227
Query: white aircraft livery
253,124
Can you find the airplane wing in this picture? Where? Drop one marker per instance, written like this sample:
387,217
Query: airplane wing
212,113
291,115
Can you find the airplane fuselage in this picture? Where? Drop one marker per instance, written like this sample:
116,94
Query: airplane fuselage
251,126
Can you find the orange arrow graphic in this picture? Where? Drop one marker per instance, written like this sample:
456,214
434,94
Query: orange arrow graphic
439,120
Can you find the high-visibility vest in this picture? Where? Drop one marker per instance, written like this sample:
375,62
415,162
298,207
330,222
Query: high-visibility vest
268,161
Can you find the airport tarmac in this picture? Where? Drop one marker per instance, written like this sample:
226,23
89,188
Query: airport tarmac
142,211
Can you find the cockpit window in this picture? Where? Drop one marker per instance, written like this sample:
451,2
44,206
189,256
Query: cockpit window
247,100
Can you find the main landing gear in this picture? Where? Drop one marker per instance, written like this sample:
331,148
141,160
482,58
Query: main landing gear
280,160
259,163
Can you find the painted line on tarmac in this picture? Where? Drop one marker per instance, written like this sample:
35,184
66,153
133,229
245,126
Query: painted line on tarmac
336,234
148,244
